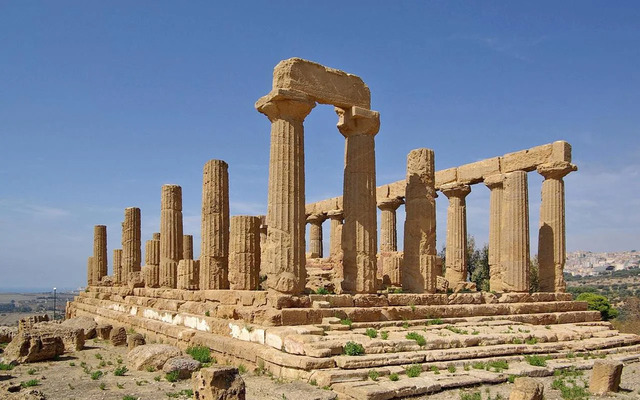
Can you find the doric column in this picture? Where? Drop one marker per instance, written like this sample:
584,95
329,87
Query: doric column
118,278
315,234
188,274
285,267
359,233
90,271
514,236
187,247
388,228
456,252
170,235
99,253
494,183
131,252
214,251
335,233
152,263
244,253
551,236
419,268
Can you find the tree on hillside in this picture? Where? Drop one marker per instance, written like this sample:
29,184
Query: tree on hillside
478,264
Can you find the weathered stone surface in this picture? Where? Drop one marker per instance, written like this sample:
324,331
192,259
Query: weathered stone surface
99,253
135,280
514,255
103,331
526,388
33,346
185,366
335,233
218,383
135,340
315,234
151,355
131,252
187,247
388,223
475,172
72,338
151,275
456,257
118,336
419,269
605,377
189,274
117,267
529,159
7,333
494,183
88,325
170,235
244,253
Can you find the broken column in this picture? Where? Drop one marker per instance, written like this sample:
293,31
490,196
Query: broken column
514,236
419,269
244,253
335,233
214,252
187,247
315,234
152,263
456,247
170,235
388,226
285,267
494,183
90,271
131,252
359,233
99,253
118,278
551,236
605,377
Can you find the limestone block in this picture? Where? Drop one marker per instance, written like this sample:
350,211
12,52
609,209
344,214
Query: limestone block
135,340
72,338
135,280
151,355
244,253
189,274
184,365
151,275
118,336
446,176
29,347
103,331
475,172
526,388
325,85
528,160
87,324
219,383
152,252
605,377
7,333
390,264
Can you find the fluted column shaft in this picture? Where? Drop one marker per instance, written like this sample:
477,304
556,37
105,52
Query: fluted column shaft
494,183
170,235
514,238
188,274
456,251
214,251
315,234
152,263
335,233
90,271
244,253
551,235
419,269
388,226
118,278
285,264
99,253
359,233
131,252
187,247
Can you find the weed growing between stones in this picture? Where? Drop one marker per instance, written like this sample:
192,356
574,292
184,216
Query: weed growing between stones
417,337
30,383
394,377
536,361
470,396
353,349
5,367
172,376
120,371
374,375
413,370
384,335
200,353
372,333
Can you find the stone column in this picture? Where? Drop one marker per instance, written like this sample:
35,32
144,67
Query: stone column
551,234
189,274
156,236
118,278
214,252
99,253
244,253
359,233
456,252
170,235
315,234
90,271
131,252
263,242
494,183
514,237
335,233
419,268
187,247
388,228
285,267
152,261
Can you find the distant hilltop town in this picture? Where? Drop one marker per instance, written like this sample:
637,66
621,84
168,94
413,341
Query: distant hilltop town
586,263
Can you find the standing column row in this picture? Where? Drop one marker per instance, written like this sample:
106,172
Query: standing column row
170,235
315,234
456,250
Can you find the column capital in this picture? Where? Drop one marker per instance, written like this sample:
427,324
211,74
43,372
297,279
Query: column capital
336,214
455,189
316,219
556,170
285,104
390,203
358,121
494,181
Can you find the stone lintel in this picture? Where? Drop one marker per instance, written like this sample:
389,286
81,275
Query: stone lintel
475,172
529,159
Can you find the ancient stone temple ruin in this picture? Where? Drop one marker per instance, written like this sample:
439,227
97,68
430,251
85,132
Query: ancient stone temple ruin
330,316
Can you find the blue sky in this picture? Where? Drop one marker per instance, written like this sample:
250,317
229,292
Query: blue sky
103,102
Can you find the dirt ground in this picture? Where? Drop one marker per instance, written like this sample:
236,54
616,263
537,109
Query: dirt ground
70,377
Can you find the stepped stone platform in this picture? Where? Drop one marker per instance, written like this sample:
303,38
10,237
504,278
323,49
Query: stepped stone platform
304,337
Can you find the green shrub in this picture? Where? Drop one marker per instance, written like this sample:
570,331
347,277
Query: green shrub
30,383
98,356
417,337
150,368
456,330
600,303
435,370
346,322
372,333
470,396
414,370
536,361
394,377
129,398
172,376
451,368
32,371
374,375
200,353
322,290
435,321
353,349
531,341
103,386
384,335
512,378
498,365
516,340
5,367
478,365
242,368
120,371
96,375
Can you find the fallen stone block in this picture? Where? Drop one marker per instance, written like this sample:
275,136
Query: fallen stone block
118,336
184,365
87,324
527,389
219,383
31,347
605,377
135,340
103,331
151,355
